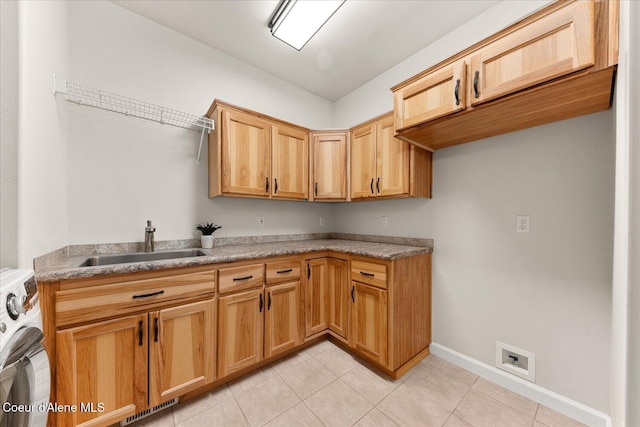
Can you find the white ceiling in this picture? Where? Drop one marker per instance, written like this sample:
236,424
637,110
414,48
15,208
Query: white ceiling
363,39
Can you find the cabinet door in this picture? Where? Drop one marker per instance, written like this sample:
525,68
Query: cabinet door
330,167
369,312
315,297
105,362
435,95
363,162
240,331
392,161
181,350
283,323
338,289
289,163
554,46
245,154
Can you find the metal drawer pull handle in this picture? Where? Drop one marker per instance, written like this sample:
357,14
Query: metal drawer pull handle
378,184
261,303
266,183
353,297
152,294
284,271
276,185
269,303
316,188
371,185
456,92
237,279
140,333
367,274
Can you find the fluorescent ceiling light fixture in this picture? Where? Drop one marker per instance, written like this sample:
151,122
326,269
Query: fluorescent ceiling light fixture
296,21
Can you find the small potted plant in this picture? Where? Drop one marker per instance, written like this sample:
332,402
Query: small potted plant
207,230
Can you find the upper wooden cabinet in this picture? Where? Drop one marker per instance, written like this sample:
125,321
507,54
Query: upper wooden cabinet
246,151
253,155
383,166
551,47
438,94
555,64
329,166
289,162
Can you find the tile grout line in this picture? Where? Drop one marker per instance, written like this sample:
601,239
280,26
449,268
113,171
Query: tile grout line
463,397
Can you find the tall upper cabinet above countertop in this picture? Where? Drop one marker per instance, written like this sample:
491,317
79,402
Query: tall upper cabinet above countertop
555,64
254,155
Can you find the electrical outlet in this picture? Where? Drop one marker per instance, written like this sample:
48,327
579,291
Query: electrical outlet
523,223
321,221
260,221
384,221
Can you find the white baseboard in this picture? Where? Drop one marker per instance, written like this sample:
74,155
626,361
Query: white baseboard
550,399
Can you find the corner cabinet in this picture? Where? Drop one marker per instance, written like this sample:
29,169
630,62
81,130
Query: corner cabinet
253,155
329,179
385,167
555,64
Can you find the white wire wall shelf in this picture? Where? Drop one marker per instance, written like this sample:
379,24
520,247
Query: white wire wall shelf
85,95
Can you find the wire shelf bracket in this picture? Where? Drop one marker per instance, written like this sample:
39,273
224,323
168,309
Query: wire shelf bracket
85,95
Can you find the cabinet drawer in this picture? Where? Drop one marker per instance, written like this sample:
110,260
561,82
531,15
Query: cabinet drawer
239,278
369,272
283,271
117,299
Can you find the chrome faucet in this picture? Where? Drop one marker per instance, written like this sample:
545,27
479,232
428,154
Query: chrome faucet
148,237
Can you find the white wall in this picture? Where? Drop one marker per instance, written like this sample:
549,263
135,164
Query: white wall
547,292
123,171
42,132
9,134
625,352
633,394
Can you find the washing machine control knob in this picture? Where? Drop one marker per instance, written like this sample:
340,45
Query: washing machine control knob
15,305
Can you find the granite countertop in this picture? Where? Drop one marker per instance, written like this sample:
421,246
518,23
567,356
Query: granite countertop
69,267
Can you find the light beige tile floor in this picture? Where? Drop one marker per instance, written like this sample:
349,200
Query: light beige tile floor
325,386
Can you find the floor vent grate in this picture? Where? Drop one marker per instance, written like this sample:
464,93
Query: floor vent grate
140,415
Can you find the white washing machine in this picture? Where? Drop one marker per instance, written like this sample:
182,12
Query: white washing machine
24,365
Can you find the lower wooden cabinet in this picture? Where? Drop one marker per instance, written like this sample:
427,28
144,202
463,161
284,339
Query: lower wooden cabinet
131,363
262,322
162,348
240,331
103,362
181,350
282,326
326,296
316,297
369,315
338,290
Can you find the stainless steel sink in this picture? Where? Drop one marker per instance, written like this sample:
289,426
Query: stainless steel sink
108,259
